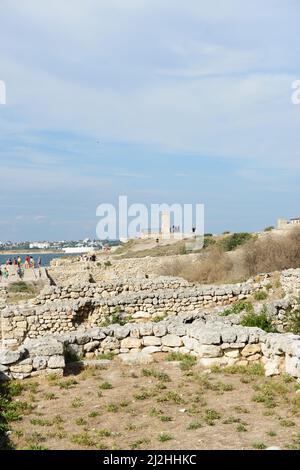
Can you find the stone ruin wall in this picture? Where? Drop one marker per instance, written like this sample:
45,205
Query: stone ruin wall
37,335
66,308
213,343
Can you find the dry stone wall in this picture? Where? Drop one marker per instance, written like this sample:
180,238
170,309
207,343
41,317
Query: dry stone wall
63,309
290,281
214,341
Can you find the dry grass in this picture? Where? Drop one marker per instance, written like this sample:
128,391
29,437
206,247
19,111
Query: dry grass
215,266
268,254
272,253
194,410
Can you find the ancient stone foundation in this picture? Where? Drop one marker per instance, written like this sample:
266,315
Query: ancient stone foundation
38,335
212,342
64,309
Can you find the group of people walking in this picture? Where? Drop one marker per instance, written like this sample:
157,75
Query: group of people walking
29,262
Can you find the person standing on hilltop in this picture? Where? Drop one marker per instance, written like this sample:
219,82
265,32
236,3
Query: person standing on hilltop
19,261
39,262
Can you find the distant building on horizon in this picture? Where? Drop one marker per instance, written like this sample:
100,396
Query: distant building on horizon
40,245
284,224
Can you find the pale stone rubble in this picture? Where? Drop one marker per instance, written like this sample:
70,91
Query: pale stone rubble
290,281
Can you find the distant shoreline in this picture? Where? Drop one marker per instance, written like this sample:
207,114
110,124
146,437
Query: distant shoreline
37,252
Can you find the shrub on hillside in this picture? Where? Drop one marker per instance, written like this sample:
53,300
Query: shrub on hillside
260,320
293,321
238,307
261,295
20,287
236,239
259,255
214,267
208,241
271,253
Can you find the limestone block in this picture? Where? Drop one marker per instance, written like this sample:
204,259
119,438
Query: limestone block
208,350
9,357
110,343
231,352
135,331
171,341
254,357
151,341
292,366
159,329
39,362
82,338
56,362
250,349
21,368
229,335
190,343
136,358
46,372
131,342
88,347
44,347
233,345
151,349
146,329
209,336
272,366
141,314
210,362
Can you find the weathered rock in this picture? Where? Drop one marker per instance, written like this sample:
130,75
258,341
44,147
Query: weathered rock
251,349
190,343
21,368
209,350
254,357
171,341
159,329
208,336
141,315
272,366
88,347
151,349
292,366
136,358
151,341
131,343
110,343
9,357
39,362
56,362
44,347
231,352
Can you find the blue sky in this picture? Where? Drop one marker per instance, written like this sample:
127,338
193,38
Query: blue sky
166,102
